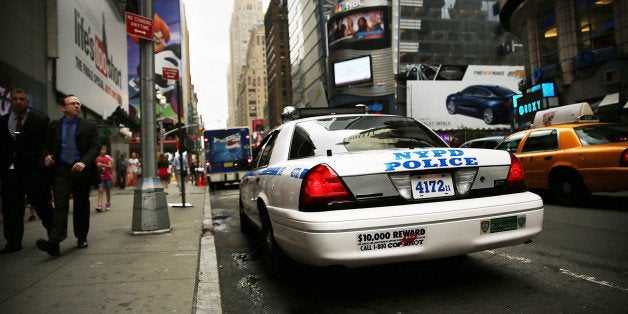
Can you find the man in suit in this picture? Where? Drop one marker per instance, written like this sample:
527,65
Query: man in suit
72,147
22,168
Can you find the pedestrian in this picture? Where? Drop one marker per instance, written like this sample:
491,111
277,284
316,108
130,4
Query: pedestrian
104,165
121,166
134,168
22,169
178,166
162,171
72,147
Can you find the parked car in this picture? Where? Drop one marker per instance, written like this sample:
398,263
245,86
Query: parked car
489,142
572,159
365,189
492,103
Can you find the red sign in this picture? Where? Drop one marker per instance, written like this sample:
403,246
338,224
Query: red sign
139,26
170,73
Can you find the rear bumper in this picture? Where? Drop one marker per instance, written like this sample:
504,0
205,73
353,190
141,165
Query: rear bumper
371,236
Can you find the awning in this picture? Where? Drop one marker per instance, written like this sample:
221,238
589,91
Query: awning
609,99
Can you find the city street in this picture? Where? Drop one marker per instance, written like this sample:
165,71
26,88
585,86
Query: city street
577,264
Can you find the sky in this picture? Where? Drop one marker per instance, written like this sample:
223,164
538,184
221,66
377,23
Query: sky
208,26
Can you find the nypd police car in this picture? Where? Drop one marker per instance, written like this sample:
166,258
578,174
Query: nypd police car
365,189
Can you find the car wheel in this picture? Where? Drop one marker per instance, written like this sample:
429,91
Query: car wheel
568,188
245,224
488,116
451,107
275,259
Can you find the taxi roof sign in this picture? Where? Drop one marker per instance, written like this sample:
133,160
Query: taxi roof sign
574,113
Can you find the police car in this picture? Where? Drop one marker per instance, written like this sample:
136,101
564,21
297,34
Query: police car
366,189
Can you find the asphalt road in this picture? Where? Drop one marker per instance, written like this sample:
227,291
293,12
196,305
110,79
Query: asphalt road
579,263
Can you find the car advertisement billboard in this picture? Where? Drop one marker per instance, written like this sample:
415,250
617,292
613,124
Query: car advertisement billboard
92,55
475,97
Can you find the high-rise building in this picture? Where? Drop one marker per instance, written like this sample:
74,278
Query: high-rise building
277,61
251,97
246,13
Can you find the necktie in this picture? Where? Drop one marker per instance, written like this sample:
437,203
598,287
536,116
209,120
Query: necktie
70,143
18,124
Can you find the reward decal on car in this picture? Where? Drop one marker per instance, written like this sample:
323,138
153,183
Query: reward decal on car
429,159
390,239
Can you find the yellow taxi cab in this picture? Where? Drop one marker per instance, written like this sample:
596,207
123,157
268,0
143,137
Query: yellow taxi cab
570,153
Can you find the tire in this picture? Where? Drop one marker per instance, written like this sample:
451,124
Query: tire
451,107
568,188
488,116
246,227
275,260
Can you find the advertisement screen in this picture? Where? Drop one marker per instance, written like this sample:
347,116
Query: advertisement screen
481,99
360,29
167,44
353,71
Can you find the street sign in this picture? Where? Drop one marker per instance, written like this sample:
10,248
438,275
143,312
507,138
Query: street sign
170,73
139,26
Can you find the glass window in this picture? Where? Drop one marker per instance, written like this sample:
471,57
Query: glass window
602,134
548,36
359,133
262,158
541,140
511,143
595,24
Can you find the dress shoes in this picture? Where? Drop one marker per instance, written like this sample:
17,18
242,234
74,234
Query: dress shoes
10,249
81,244
46,246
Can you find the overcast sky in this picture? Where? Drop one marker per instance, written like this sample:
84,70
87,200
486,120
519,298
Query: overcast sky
208,24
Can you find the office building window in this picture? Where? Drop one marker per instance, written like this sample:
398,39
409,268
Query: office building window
595,24
548,36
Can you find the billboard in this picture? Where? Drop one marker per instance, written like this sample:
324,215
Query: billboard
92,55
479,98
167,44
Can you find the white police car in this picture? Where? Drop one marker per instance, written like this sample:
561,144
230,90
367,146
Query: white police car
364,189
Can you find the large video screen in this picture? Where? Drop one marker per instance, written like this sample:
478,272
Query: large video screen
366,28
353,72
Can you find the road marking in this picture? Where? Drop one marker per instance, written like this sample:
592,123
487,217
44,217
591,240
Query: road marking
512,257
591,279
562,270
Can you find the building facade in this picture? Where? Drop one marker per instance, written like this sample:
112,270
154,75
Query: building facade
246,13
579,47
251,98
277,61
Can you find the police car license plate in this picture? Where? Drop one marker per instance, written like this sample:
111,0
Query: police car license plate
432,185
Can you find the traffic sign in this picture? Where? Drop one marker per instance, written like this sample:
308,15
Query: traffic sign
170,73
139,26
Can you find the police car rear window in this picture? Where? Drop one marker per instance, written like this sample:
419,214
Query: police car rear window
359,133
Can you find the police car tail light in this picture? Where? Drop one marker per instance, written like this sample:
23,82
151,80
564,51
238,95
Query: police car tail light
515,174
322,186
464,179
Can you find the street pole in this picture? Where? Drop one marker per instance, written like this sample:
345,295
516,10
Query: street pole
181,142
150,210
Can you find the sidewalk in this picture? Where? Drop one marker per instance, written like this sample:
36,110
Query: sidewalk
118,271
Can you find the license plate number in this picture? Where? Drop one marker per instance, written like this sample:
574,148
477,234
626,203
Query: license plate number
432,185
228,164
503,224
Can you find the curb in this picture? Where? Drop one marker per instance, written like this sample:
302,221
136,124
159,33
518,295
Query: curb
208,298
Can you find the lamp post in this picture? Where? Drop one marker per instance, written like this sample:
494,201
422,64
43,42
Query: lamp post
150,211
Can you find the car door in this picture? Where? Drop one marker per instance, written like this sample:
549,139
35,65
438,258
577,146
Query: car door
537,156
254,180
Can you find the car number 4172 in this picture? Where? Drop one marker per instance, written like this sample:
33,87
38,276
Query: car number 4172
432,185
